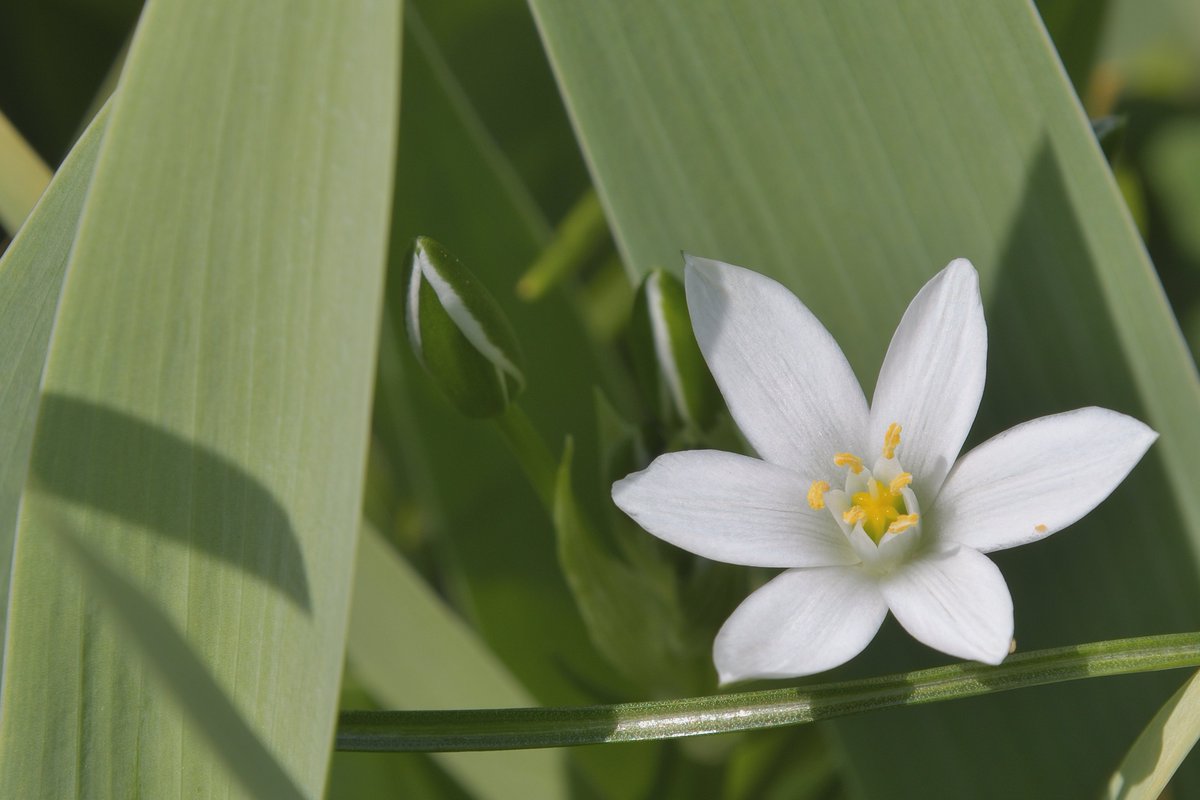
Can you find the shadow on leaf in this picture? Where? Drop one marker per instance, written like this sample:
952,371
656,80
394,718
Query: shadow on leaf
186,676
151,477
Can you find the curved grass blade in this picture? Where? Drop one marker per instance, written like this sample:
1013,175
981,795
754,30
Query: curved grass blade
1158,752
518,728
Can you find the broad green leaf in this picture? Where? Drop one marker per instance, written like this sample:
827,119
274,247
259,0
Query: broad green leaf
182,673
851,150
409,650
206,400
1161,748
23,177
31,278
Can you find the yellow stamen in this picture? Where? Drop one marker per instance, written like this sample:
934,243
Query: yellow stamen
1040,528
891,440
848,460
899,482
854,515
903,523
816,495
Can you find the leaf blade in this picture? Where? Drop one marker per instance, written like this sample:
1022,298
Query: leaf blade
223,292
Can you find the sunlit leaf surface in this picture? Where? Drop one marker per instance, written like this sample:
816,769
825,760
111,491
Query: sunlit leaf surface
1161,748
206,405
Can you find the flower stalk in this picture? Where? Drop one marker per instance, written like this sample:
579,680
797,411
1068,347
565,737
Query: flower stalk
530,450
524,728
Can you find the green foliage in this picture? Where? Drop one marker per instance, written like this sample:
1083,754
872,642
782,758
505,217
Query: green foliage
31,277
1158,752
205,403
633,610
190,317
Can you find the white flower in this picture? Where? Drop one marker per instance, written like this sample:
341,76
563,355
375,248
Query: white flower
905,531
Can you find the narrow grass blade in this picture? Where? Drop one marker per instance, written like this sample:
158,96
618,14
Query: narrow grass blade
517,728
1158,752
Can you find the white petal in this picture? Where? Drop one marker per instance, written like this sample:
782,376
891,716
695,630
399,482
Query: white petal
803,622
1037,478
955,601
784,378
932,376
732,508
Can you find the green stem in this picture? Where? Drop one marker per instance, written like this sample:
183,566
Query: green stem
520,728
531,453
579,237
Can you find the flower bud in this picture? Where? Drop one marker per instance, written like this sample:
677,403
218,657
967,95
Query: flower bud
667,360
460,334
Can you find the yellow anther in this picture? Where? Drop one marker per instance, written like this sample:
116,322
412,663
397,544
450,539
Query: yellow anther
900,481
816,495
848,460
854,515
891,440
1040,528
903,523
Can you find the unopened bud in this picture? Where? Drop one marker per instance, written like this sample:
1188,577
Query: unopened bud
667,360
460,334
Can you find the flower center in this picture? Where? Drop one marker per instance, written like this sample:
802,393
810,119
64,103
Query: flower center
879,499
878,508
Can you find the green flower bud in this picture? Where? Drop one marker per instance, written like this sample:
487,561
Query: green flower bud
667,360
460,334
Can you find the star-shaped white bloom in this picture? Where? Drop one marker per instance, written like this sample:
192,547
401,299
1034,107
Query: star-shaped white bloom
906,527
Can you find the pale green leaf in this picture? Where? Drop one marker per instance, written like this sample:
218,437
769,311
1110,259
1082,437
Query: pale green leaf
409,650
1161,748
207,392
31,278
182,674
851,150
